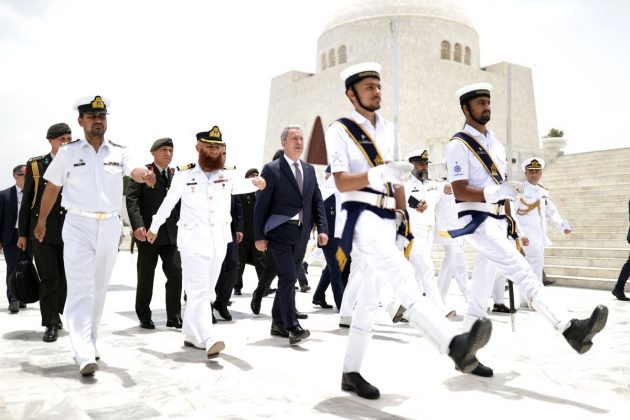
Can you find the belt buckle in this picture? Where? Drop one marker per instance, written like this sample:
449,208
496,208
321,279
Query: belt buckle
100,216
380,201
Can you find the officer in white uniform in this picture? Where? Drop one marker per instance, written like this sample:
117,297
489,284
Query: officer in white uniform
532,210
91,173
476,163
203,232
454,262
422,195
360,152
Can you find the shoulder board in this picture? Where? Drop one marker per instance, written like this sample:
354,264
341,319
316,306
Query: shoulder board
36,158
186,167
115,144
73,141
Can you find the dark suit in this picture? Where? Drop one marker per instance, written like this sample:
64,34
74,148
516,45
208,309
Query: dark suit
142,203
8,220
247,252
625,270
49,252
229,269
275,206
331,275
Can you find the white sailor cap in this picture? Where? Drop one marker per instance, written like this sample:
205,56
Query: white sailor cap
357,72
533,163
421,156
473,91
92,103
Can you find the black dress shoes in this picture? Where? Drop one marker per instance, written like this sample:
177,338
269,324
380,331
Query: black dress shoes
238,292
297,335
399,315
175,322
353,381
50,334
222,310
269,291
301,315
305,288
581,331
322,303
482,370
14,308
500,307
619,294
147,324
60,325
22,305
464,346
278,330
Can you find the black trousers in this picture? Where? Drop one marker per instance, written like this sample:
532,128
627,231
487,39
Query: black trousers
228,276
331,275
248,254
52,276
266,278
623,276
171,265
286,248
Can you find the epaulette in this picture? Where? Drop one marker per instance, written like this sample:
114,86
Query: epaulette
186,167
115,144
36,158
73,141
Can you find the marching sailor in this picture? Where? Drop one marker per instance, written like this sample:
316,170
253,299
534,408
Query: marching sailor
476,163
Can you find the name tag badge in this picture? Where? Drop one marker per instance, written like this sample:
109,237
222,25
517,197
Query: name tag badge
111,163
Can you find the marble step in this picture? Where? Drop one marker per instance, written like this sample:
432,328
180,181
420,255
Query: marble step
580,235
620,253
580,271
613,227
613,263
585,282
592,243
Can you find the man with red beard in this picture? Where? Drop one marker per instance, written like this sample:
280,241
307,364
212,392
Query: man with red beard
205,191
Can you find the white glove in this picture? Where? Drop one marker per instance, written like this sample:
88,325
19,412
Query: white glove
504,191
401,242
387,172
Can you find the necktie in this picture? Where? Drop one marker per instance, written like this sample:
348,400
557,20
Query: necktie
164,176
298,176
300,181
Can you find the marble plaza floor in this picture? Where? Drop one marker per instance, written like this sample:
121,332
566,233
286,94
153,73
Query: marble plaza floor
150,374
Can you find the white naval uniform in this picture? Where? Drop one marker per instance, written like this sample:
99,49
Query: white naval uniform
203,232
454,263
374,251
533,224
92,183
422,229
490,239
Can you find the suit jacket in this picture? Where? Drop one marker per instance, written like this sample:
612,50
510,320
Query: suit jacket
236,211
144,201
8,215
281,199
29,211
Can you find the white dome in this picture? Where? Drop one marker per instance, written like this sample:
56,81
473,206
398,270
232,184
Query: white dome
355,10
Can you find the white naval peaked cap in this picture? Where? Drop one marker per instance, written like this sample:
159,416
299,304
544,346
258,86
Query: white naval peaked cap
92,103
533,163
473,91
419,155
352,74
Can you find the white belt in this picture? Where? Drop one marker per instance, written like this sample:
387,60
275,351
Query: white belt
495,209
377,200
93,215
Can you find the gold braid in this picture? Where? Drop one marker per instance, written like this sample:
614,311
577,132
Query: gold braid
530,207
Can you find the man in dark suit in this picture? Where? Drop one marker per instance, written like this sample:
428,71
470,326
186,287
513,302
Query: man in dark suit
618,291
49,252
283,217
142,203
10,200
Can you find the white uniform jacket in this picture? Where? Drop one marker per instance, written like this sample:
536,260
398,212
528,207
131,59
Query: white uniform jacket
429,191
532,211
205,210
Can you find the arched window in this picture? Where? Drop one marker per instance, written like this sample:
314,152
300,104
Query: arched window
446,50
342,54
324,61
331,58
467,56
457,53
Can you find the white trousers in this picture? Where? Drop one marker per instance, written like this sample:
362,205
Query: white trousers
199,277
453,265
535,256
89,253
374,250
420,259
495,249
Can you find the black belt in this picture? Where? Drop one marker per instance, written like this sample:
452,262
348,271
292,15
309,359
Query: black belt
294,222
